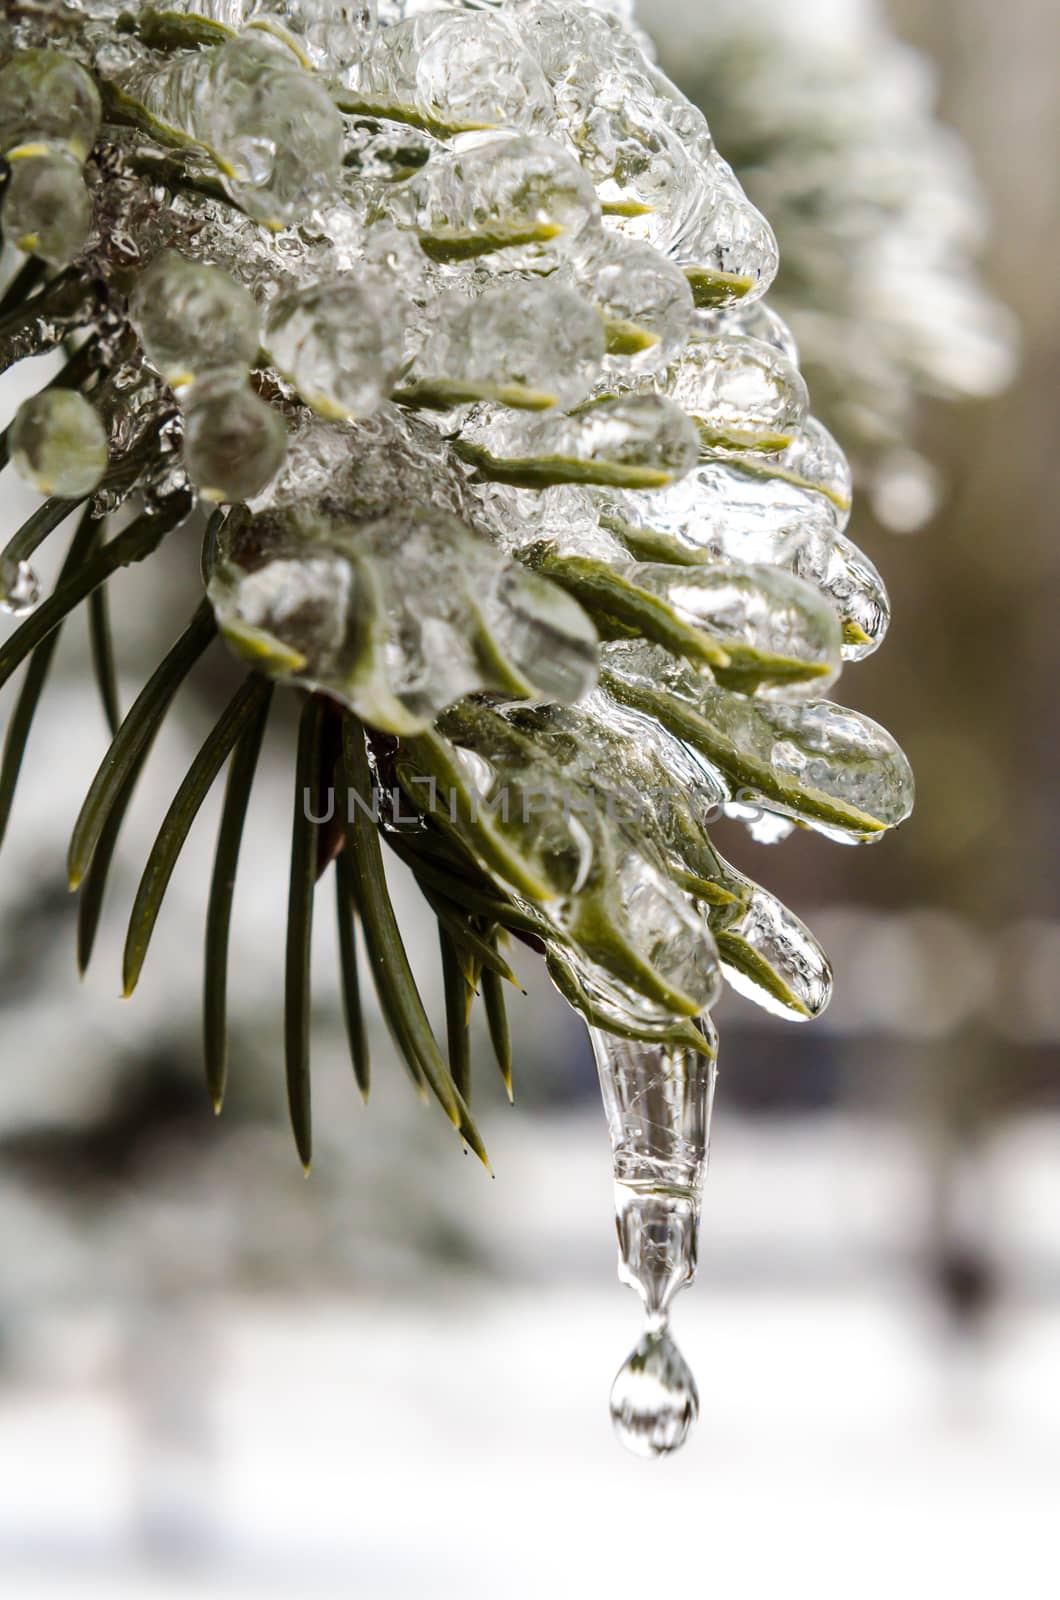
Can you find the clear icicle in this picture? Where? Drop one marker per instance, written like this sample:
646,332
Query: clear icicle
658,1101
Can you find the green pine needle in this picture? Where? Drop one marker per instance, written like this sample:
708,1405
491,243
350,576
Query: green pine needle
139,726
36,528
94,883
345,908
458,995
398,995
300,923
139,540
18,729
497,1019
30,274
102,646
242,711
219,909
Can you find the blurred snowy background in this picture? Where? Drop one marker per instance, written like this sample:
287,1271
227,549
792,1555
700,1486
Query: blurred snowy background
217,1379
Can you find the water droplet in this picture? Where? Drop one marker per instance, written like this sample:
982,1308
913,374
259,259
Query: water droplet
19,587
59,443
654,1399
193,319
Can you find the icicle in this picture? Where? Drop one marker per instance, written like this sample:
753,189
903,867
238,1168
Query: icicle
658,1100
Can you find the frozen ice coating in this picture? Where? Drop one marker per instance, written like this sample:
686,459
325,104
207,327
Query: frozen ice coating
398,617
741,393
453,319
520,194
530,345
268,126
645,300
449,71
49,118
234,441
637,441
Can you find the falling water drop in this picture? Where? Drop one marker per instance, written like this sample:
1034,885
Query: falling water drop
658,1100
654,1399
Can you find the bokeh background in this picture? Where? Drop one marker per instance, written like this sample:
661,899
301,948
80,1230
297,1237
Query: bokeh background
217,1379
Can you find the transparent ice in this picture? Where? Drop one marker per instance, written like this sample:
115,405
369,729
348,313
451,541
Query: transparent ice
267,124
531,345
341,343
637,441
658,1101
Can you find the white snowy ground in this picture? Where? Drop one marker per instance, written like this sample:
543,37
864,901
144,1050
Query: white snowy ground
456,1443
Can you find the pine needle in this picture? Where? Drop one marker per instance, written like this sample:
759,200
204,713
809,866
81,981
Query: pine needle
139,726
37,527
241,712
222,887
396,987
94,884
102,646
139,540
345,907
300,923
457,1011
497,1019
18,729
31,273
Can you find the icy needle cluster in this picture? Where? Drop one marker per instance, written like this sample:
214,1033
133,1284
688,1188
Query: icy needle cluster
456,314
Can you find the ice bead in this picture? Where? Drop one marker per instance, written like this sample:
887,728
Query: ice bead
233,441
860,597
499,194
532,345
645,301
767,954
47,209
47,98
631,441
193,319
742,393
730,252
58,443
772,627
449,71
341,343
